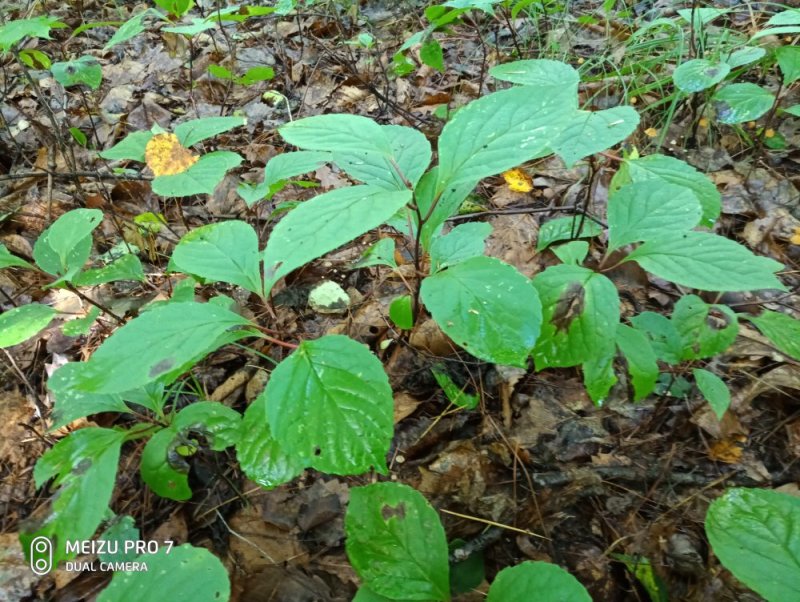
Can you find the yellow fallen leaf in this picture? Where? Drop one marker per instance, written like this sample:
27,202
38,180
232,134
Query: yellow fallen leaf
165,156
703,123
728,450
769,133
518,180
795,239
651,132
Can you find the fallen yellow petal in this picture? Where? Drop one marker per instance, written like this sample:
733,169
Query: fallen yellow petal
165,156
518,180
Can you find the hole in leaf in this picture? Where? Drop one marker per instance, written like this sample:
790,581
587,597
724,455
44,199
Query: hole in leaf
388,511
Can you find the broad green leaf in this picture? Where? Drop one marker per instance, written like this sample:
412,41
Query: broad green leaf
648,210
707,262
699,74
201,178
339,133
324,223
330,401
745,56
175,7
160,344
776,31
431,54
580,308
598,376
381,253
737,103
131,147
786,17
401,312
411,155
130,29
14,31
71,404
789,62
782,331
669,170
80,326
84,465
566,228
550,582
127,267
198,25
150,396
753,533
163,469
218,423
225,252
439,206
714,390
21,323
702,16
573,252
487,307
182,573
546,75
35,59
500,131
793,110
589,132
641,358
705,330
191,132
7,260
83,70
664,337
279,169
64,247
396,543
260,456
461,243
120,530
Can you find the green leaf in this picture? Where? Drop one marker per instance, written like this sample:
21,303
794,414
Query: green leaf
453,392
260,455
130,29
664,337
84,464
699,74
160,344
160,468
641,568
440,207
127,267
705,330
330,401
565,228
589,132
737,103
431,54
580,308
131,147
79,136
182,573
669,170
339,133
487,307
500,131
64,247
225,252
80,326
648,210
789,62
198,25
793,110
573,252
396,542
546,75
38,27
411,155
21,323
191,132
175,7
461,243
707,262
782,331
279,169
786,17
401,312
201,178
641,358
598,376
83,70
381,253
753,533
7,260
71,404
324,223
550,582
745,56
122,529
702,16
714,390
218,423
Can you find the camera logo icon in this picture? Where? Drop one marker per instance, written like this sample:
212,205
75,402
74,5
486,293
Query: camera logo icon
41,555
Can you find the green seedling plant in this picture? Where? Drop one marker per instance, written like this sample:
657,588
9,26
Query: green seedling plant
568,315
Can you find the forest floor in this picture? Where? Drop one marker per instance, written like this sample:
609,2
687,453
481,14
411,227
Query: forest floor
537,471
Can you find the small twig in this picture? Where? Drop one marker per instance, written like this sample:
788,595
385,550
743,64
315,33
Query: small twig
72,175
512,211
492,523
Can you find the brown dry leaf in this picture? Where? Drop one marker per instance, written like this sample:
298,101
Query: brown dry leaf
518,180
728,450
165,156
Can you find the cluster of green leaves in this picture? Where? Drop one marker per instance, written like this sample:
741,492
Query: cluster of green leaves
569,315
